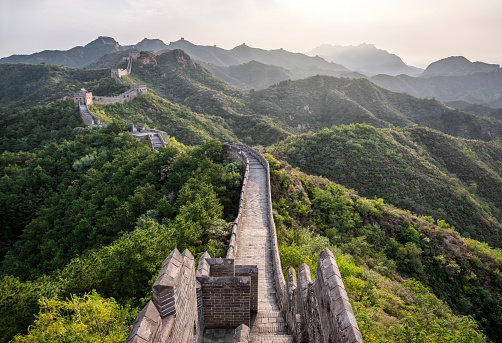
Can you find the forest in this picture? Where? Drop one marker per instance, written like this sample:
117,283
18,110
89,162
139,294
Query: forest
406,192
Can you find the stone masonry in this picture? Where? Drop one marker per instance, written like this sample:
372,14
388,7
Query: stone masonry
244,297
84,97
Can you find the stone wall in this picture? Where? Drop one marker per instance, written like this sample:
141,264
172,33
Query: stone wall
226,301
316,311
220,294
319,310
133,92
280,282
231,151
88,117
174,314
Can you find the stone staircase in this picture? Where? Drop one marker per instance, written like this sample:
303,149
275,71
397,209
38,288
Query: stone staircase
268,325
156,141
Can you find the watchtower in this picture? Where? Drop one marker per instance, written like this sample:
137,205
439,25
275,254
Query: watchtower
82,97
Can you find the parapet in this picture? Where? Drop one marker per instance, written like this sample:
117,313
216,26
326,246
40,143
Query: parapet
319,310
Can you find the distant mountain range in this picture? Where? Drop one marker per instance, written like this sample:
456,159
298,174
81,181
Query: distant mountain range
244,67
458,65
451,79
365,58
76,57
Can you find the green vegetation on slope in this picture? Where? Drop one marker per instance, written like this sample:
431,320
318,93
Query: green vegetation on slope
174,76
417,169
178,121
102,212
322,101
25,130
27,85
404,275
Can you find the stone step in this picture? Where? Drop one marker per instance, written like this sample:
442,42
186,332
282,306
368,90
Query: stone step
271,339
270,328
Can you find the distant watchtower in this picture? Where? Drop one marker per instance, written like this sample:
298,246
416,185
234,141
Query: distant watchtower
134,53
82,97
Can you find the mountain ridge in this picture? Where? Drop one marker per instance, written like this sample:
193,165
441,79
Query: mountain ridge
365,58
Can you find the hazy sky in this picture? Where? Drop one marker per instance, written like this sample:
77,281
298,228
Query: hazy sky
419,31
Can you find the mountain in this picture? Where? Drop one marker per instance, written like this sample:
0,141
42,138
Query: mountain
251,75
383,251
458,65
414,168
322,101
76,57
451,79
150,45
365,58
93,209
298,64
27,85
483,88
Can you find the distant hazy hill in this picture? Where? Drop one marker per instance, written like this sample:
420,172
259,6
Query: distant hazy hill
484,88
419,169
364,58
458,65
300,65
322,101
150,45
251,75
75,57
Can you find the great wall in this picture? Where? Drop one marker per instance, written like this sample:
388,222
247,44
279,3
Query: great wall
243,297
84,98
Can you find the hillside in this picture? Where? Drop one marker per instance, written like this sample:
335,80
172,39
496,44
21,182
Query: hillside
321,101
415,168
177,121
173,75
25,85
94,209
476,108
396,266
251,75
364,58
77,57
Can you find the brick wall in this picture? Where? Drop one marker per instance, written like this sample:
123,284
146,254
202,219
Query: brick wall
226,301
319,310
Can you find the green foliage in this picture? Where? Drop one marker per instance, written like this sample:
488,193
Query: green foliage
321,101
405,276
88,318
177,120
26,85
32,129
417,169
107,211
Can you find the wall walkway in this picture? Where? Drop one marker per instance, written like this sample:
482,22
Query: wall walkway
248,287
254,246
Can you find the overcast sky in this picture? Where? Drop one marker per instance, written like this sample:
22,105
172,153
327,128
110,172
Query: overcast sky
419,31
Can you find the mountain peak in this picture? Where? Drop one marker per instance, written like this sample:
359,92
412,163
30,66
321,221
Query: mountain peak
102,40
365,58
458,65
